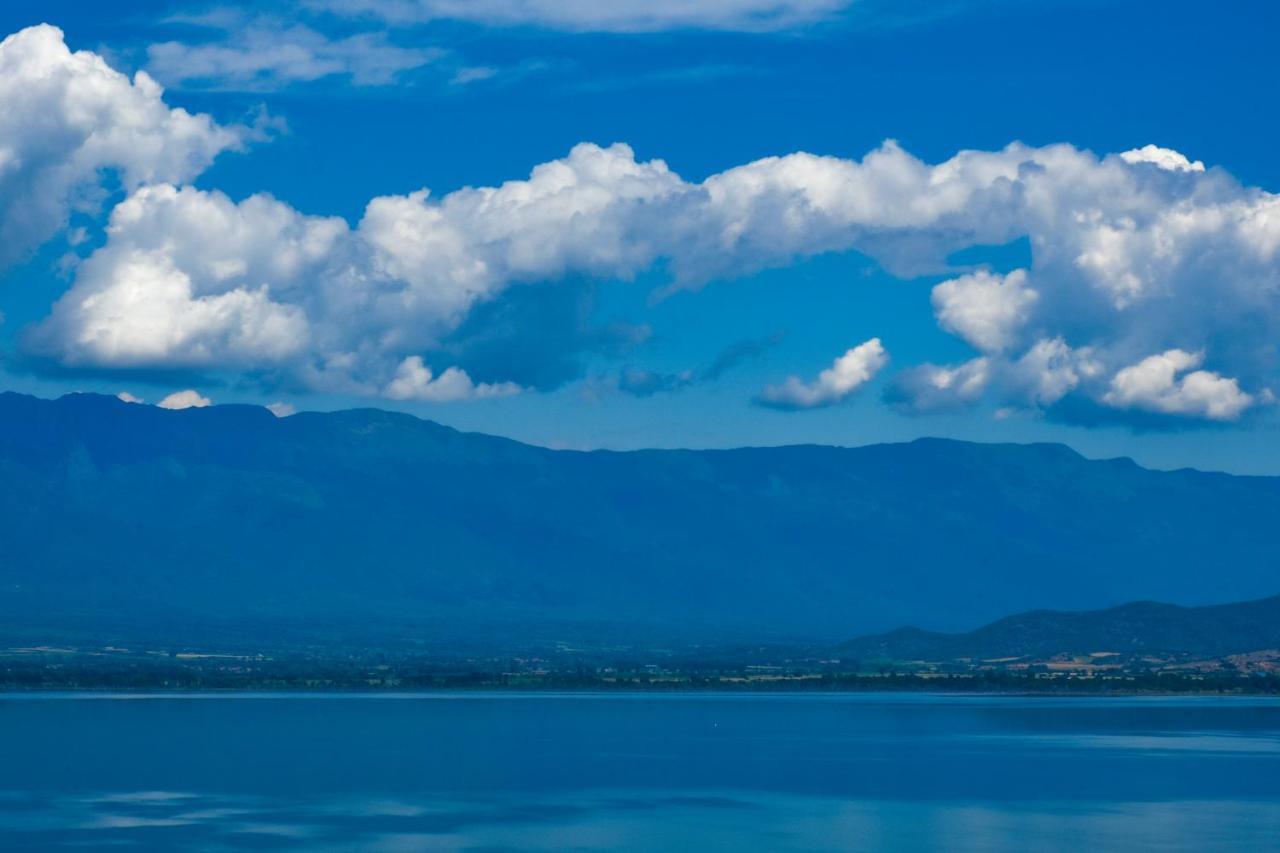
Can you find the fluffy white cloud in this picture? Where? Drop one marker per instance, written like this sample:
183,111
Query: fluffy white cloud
415,381
985,309
598,16
126,397
66,119
263,54
189,278
281,410
597,212
1165,158
847,374
1128,258
187,399
1161,383
185,281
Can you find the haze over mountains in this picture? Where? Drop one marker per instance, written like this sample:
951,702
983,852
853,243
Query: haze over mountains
119,518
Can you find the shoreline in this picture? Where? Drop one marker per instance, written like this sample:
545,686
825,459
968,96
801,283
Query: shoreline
1246,690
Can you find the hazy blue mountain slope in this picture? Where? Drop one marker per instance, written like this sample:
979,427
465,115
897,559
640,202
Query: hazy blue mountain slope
118,514
1138,627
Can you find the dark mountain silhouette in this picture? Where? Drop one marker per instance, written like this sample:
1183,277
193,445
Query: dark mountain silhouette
119,517
1143,627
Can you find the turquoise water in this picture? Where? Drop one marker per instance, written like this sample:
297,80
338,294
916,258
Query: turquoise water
491,772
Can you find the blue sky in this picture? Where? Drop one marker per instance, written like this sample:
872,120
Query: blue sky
1123,304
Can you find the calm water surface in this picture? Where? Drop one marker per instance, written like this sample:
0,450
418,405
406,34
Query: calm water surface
637,772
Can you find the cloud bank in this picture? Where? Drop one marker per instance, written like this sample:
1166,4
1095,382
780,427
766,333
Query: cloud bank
1133,257
1152,287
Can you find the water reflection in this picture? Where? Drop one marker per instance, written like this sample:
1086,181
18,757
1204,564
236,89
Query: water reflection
484,773
623,821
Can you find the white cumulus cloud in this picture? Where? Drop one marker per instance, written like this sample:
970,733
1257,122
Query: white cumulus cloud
847,374
185,281
985,309
68,118
1162,383
415,381
1165,158
187,399
190,278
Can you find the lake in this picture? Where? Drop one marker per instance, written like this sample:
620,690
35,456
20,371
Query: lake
697,771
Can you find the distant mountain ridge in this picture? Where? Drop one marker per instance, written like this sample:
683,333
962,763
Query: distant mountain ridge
1135,628
123,517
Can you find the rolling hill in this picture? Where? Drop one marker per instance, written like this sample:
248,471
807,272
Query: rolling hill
1142,627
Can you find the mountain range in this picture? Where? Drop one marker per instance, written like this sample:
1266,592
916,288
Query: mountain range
119,518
